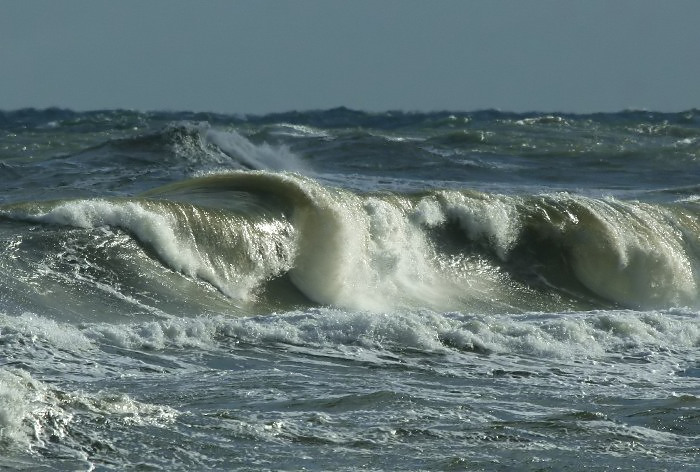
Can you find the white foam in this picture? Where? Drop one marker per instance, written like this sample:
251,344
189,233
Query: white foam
258,157
428,212
401,257
573,336
37,328
485,217
685,142
300,131
31,412
21,406
123,408
176,332
547,119
363,252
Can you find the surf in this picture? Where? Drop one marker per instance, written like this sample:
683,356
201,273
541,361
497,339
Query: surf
444,250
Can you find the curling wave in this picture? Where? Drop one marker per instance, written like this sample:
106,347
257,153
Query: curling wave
444,250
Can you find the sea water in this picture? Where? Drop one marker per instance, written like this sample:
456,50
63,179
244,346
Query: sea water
340,290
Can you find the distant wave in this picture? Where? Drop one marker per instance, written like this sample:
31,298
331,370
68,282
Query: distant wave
340,117
197,145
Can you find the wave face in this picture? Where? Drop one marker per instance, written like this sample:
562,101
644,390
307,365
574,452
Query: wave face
407,291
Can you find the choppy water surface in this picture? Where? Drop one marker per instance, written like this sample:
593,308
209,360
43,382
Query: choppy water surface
349,291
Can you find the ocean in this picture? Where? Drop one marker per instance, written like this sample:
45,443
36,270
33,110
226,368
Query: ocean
343,290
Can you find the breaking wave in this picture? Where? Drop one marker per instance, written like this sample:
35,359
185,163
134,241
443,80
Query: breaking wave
445,250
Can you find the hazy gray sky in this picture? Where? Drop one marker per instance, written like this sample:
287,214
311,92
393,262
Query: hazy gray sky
259,56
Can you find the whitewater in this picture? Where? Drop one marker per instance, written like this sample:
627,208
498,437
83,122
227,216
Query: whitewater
341,290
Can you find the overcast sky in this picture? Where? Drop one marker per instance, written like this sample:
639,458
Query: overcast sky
259,56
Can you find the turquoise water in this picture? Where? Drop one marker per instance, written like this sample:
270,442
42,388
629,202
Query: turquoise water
339,290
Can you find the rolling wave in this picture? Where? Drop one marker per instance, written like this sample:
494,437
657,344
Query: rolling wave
446,250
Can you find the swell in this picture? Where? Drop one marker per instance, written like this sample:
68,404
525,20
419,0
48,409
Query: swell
195,145
247,232
681,124
118,162
121,153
